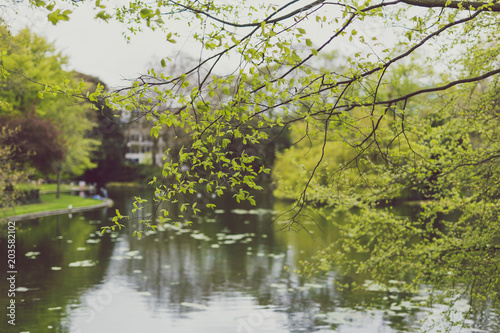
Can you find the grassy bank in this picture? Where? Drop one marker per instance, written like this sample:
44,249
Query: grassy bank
132,185
49,202
48,188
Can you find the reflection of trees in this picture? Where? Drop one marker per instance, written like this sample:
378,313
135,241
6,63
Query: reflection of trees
180,268
486,316
176,268
57,238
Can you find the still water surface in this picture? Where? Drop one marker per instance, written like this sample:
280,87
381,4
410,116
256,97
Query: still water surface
226,273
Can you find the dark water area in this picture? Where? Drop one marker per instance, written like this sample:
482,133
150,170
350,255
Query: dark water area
229,272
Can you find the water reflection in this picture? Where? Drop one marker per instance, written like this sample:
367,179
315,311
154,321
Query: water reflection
225,274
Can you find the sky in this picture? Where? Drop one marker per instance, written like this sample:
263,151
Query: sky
93,47
99,49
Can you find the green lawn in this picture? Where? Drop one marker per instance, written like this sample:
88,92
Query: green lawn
49,202
47,187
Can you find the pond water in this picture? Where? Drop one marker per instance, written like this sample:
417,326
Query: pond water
226,273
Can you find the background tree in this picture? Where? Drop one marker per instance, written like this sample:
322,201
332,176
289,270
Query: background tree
28,63
35,142
11,173
110,157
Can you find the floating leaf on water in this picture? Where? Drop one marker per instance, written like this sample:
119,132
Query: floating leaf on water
240,211
313,285
131,253
137,271
233,238
55,268
409,305
69,241
32,254
93,241
420,298
344,316
83,263
194,305
22,289
55,308
81,248
396,282
219,211
374,286
278,285
236,237
395,307
260,211
215,246
276,256
200,236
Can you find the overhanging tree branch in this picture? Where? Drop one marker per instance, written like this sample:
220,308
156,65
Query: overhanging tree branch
465,5
268,20
428,90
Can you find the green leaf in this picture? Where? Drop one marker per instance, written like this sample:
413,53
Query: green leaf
103,15
57,16
155,131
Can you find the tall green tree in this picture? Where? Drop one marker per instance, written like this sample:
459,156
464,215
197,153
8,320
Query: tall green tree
29,63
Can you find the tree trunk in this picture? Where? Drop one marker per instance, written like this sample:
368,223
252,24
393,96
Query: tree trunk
58,184
154,151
